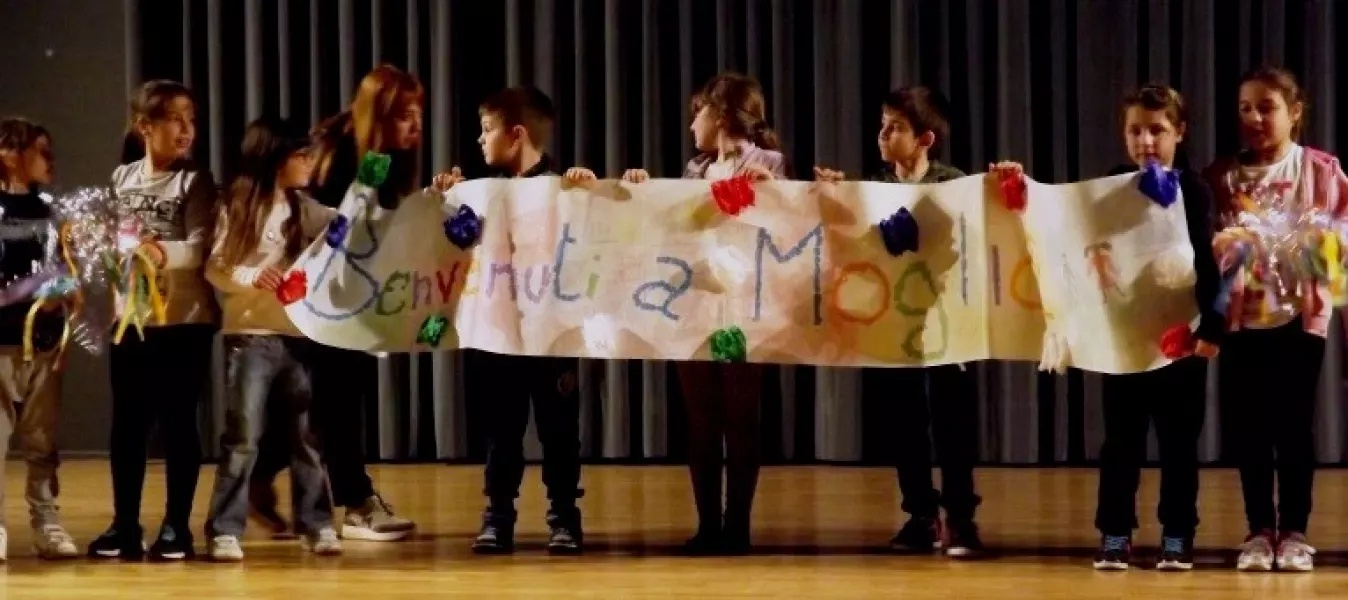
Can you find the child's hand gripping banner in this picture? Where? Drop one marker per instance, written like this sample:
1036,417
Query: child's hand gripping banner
847,274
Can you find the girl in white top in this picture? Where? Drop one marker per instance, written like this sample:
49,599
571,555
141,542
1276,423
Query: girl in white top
262,228
161,377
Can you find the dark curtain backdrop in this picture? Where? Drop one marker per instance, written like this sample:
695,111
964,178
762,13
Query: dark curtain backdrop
1032,80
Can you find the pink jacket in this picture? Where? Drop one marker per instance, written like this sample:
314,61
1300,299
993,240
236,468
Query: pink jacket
1326,188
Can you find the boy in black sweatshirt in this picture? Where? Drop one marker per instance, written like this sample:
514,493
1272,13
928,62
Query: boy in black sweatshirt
516,125
938,401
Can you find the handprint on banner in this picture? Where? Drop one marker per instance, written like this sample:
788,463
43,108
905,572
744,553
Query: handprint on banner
1101,262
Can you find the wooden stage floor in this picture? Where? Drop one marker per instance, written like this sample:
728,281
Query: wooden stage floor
820,533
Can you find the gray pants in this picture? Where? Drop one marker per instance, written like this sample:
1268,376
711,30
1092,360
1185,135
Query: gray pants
267,376
30,398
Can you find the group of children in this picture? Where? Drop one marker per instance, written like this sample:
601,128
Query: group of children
224,258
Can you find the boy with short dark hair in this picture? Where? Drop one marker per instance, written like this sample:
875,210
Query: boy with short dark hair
516,125
913,121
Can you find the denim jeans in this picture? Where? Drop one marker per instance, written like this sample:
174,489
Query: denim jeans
261,370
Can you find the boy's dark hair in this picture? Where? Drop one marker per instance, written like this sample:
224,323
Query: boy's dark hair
523,106
924,108
1155,96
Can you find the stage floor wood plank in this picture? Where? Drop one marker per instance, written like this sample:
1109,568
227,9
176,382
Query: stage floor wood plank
820,533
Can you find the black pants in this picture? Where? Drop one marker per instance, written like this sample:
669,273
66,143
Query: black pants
1269,382
723,411
1174,398
941,402
344,383
551,384
160,378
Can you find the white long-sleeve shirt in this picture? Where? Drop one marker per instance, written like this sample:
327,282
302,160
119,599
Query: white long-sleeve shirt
245,308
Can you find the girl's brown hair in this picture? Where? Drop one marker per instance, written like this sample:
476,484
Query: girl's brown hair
267,144
383,94
149,104
738,100
1155,96
18,135
1285,83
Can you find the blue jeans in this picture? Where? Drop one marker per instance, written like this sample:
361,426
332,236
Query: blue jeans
265,369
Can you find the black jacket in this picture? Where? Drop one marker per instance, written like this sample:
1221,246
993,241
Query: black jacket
27,227
1199,212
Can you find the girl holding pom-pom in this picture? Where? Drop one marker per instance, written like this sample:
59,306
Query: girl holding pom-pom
733,139
1271,362
263,226
164,373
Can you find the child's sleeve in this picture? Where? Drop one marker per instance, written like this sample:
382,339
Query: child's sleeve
199,211
227,278
1338,193
1198,212
314,217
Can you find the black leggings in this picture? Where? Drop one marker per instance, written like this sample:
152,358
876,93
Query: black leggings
1269,381
160,378
723,403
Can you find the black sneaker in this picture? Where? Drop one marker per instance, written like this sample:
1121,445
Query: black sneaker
735,539
1115,554
119,542
1177,554
919,534
707,542
565,534
497,535
964,541
173,543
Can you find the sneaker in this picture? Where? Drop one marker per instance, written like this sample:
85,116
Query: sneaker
262,510
1256,554
497,535
374,521
119,542
565,534
1177,554
1295,553
323,543
52,542
4,544
964,541
1115,554
735,539
173,543
919,534
225,548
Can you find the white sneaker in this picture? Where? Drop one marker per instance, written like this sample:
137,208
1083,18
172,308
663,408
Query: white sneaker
52,542
374,521
1295,554
1256,554
4,544
323,543
225,548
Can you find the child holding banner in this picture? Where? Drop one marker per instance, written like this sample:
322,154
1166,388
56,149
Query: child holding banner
1272,360
264,224
731,133
516,125
385,117
30,386
170,204
913,121
1174,397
